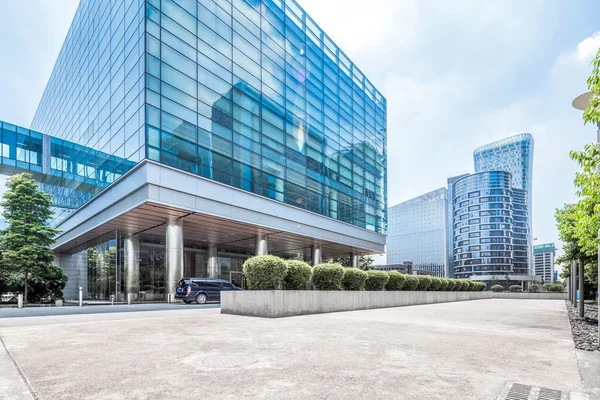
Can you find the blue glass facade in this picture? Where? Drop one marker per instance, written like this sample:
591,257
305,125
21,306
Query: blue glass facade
483,225
95,97
248,93
515,155
254,95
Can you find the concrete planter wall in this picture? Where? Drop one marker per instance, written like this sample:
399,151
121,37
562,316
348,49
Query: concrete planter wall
536,296
287,303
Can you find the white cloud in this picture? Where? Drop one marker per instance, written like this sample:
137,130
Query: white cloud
587,49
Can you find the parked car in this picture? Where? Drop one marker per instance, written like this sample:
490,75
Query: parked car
202,290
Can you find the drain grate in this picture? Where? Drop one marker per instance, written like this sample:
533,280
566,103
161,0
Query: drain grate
228,361
549,394
518,391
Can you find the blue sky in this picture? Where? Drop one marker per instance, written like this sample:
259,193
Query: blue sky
456,74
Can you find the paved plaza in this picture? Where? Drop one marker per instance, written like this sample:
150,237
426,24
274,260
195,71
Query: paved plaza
464,350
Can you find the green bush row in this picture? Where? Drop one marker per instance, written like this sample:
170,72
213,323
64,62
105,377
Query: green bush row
274,273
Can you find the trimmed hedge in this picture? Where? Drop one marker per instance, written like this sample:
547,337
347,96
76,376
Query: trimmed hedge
472,286
410,283
354,279
555,287
376,280
396,281
328,276
298,275
450,284
497,288
444,285
534,288
464,285
265,273
515,288
424,282
435,283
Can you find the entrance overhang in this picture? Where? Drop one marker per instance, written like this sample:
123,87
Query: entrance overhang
142,200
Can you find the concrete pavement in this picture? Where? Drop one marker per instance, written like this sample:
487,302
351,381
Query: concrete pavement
465,350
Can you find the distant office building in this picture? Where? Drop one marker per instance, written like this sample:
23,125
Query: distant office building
543,261
449,226
515,155
405,268
417,232
491,213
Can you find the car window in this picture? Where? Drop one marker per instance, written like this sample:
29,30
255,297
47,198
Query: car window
209,284
227,285
183,283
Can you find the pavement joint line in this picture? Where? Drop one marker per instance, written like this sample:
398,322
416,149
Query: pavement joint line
27,384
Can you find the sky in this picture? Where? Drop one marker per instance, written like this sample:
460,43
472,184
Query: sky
456,74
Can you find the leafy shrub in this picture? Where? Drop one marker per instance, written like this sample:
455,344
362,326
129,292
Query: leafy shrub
328,276
265,273
461,285
424,282
411,283
555,287
444,284
497,288
482,287
396,281
534,288
451,284
435,283
45,283
376,280
471,285
298,275
515,288
354,279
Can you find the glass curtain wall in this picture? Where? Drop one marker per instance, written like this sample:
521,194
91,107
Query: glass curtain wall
108,270
254,95
93,102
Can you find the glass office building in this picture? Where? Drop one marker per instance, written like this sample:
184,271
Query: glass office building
491,213
483,225
200,131
543,261
515,155
417,232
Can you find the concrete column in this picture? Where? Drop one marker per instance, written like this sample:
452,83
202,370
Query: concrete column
261,247
581,271
132,266
354,260
316,254
212,265
173,255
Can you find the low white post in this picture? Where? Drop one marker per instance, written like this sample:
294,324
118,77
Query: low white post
112,300
129,298
80,296
20,300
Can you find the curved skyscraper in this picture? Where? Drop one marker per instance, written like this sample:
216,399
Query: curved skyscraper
491,213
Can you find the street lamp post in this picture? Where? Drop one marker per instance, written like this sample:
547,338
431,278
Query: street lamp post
582,102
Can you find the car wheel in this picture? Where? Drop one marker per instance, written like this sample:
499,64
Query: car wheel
201,298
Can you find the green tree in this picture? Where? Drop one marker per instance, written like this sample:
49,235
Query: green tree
578,224
25,243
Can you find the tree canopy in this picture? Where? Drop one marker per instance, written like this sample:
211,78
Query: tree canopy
25,243
578,224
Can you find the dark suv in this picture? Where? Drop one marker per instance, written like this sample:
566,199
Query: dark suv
202,290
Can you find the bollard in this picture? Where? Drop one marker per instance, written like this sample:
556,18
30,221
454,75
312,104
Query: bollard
112,299
168,298
129,298
20,300
80,296
581,271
